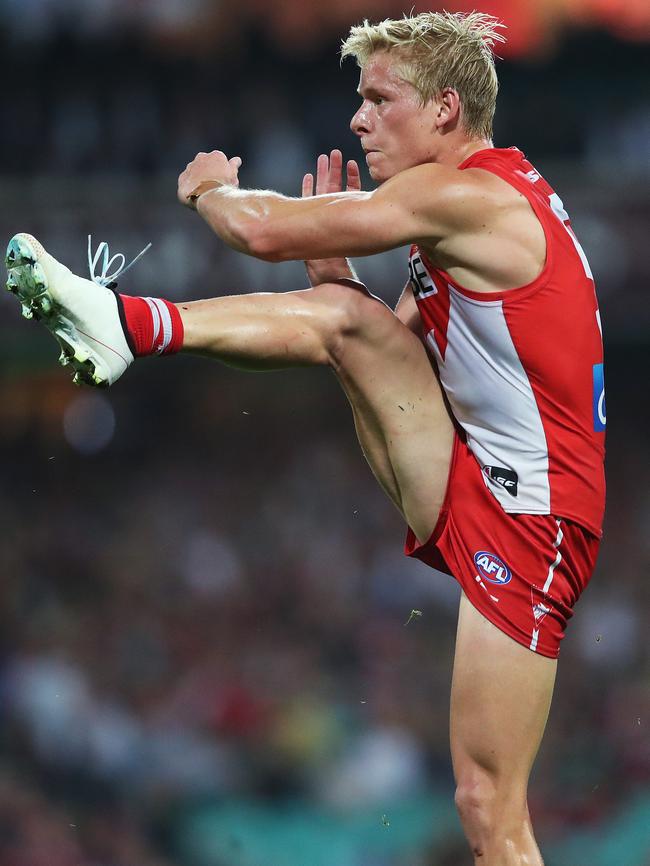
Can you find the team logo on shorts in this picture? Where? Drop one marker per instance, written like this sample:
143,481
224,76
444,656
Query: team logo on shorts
492,568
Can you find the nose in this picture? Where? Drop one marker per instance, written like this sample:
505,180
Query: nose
360,123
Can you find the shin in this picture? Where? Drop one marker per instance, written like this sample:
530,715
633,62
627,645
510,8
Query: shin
501,694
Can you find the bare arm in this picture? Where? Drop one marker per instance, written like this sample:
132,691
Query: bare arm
329,179
276,228
425,202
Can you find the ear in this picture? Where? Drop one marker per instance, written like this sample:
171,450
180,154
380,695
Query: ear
448,109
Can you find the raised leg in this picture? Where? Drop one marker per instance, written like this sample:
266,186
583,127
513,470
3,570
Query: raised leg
500,699
401,419
383,368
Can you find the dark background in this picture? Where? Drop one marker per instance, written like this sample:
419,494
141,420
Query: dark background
207,653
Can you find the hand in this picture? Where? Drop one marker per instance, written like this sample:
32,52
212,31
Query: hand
329,179
207,171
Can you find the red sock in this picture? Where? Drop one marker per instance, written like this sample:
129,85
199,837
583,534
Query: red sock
153,325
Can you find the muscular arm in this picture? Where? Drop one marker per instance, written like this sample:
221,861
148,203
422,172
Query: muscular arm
425,202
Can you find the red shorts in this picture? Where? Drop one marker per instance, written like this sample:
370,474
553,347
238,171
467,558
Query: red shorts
523,572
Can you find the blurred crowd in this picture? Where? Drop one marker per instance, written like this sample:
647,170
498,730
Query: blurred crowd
109,101
203,598
100,128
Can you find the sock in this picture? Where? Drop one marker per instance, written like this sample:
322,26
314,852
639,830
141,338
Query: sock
153,326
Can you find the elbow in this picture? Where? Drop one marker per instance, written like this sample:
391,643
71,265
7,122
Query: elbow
264,245
255,237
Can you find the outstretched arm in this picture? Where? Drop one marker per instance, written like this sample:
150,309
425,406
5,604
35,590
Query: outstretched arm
425,202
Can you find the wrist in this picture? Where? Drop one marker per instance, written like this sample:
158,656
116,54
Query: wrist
204,187
343,269
326,270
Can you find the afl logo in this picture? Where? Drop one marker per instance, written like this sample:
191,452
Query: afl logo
491,567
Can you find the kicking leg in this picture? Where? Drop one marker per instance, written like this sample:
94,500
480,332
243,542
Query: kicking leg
400,416
500,699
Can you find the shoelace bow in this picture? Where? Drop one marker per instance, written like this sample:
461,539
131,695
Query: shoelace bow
102,252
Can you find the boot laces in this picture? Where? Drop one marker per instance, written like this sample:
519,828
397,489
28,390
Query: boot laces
107,261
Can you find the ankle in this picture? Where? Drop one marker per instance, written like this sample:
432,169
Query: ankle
153,326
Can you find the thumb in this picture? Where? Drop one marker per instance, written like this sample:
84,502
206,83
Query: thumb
235,161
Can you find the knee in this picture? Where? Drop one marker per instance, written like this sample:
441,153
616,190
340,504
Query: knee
475,799
353,313
488,809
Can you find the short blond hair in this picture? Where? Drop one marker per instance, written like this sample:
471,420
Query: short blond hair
437,50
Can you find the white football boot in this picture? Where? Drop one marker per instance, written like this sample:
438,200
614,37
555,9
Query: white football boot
85,316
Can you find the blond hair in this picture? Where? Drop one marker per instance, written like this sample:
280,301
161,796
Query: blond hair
437,50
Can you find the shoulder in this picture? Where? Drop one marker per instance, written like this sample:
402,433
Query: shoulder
447,198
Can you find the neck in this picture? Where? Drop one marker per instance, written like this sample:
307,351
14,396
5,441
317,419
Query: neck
458,151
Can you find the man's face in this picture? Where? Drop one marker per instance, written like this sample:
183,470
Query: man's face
396,131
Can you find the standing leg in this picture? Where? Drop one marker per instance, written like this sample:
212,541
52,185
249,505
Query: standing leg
400,416
500,700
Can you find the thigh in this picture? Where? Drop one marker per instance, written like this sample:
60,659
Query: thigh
500,700
384,369
401,418
523,572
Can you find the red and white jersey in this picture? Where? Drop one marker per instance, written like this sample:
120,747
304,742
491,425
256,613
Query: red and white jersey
523,369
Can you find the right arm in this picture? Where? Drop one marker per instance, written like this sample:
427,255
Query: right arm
329,179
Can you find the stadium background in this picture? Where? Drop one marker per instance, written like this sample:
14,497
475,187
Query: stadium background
207,654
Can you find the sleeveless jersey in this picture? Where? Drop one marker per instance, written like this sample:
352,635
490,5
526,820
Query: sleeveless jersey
523,368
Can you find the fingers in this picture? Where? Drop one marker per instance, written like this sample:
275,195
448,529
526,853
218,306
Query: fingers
335,178
329,175
322,174
353,176
235,162
308,185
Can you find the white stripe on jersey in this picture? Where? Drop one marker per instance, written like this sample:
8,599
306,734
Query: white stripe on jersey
493,400
557,206
558,558
547,585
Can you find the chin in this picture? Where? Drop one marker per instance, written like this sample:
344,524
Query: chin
378,176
